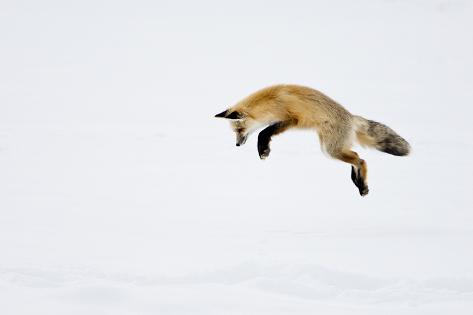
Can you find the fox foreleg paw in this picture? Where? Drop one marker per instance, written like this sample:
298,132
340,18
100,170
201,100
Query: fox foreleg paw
263,149
263,152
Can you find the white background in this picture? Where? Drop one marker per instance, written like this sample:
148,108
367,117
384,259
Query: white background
121,194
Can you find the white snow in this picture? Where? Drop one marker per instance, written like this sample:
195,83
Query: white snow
121,194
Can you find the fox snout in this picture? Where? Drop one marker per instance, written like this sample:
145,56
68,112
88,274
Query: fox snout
241,139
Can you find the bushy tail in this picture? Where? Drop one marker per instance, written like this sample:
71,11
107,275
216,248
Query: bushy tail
376,135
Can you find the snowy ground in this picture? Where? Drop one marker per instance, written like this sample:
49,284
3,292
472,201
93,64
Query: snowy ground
121,194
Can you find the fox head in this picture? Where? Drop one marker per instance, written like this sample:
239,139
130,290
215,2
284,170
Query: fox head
241,123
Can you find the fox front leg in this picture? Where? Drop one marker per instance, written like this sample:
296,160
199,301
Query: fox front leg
263,148
264,137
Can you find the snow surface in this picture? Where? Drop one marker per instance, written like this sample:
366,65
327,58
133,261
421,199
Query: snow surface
121,194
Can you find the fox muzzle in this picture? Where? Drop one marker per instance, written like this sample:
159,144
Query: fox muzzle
241,139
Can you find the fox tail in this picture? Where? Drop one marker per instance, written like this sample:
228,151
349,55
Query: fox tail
379,136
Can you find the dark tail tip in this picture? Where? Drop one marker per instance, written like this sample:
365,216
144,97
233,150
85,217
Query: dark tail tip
396,151
398,147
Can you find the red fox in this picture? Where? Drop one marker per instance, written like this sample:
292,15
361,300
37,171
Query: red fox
281,107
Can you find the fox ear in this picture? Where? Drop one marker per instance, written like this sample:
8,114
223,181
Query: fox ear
230,115
235,115
222,114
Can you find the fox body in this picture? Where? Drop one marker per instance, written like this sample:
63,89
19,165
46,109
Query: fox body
281,107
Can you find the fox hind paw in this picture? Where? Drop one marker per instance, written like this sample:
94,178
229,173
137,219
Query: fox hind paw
363,190
354,177
359,182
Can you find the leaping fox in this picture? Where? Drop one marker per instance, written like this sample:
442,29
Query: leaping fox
281,107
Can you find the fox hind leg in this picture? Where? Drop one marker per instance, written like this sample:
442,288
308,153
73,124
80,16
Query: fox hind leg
359,181
359,170
264,137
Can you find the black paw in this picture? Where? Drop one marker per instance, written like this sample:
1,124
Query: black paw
263,151
354,177
264,154
359,181
363,190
